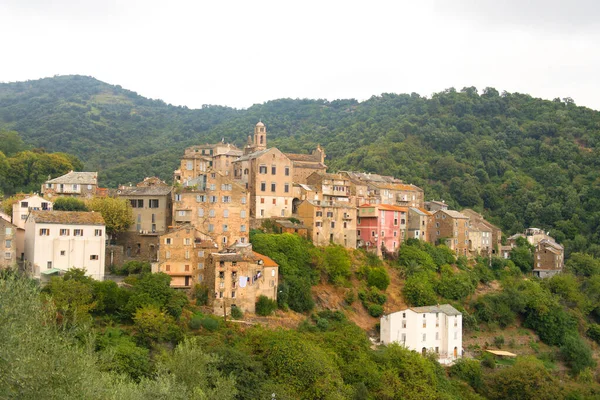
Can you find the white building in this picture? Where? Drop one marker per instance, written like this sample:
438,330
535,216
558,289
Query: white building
435,329
56,241
20,212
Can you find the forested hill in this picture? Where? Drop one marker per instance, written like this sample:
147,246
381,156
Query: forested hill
526,161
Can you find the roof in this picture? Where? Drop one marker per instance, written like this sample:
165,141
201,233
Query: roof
302,157
424,211
306,187
68,217
267,261
480,226
309,164
551,243
501,353
418,211
443,308
387,207
454,214
319,203
474,214
253,155
82,178
397,186
145,191
368,177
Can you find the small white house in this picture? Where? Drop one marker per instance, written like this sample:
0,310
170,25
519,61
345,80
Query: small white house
56,241
20,212
436,329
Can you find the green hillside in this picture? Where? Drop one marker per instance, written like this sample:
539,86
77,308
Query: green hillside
525,161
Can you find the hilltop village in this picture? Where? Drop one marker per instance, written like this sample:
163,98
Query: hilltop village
197,229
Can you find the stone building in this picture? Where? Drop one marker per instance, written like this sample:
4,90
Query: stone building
75,184
418,222
182,255
496,238
548,258
480,239
329,222
8,244
198,159
452,229
215,204
305,165
381,189
267,174
429,329
238,276
56,241
331,187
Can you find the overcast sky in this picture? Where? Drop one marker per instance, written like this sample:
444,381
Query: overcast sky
239,53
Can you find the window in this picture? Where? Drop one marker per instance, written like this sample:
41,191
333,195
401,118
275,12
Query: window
98,232
167,240
262,169
455,335
437,336
329,214
226,199
44,232
200,198
242,228
403,337
177,197
8,244
167,254
273,186
62,252
283,213
187,254
94,257
201,212
212,199
318,224
395,221
64,232
189,165
233,294
382,233
153,203
225,213
395,233
213,186
286,187
140,203
274,201
211,228
345,225
187,241
262,213
273,170
403,323
75,187
181,213
243,214
262,200
187,268
24,204
263,186
332,224
49,265
319,213
403,315
243,200
200,265
224,240
424,337
287,171
201,253
225,228
167,268
24,216
211,213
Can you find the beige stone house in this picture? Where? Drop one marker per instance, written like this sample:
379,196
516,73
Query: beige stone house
329,222
8,244
182,255
434,205
215,204
75,184
496,239
56,241
451,228
306,164
238,276
268,176
331,187
381,189
418,222
480,238
198,159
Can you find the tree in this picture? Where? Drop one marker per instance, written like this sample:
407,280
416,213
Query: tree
154,326
528,379
69,204
117,213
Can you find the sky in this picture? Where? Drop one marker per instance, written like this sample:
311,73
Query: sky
240,53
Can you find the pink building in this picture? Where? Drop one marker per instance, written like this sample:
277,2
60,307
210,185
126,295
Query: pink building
381,226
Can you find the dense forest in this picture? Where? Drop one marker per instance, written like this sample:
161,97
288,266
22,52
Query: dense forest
523,161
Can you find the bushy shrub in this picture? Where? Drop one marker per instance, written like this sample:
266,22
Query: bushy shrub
375,310
210,324
593,332
576,354
201,294
236,313
378,277
488,360
469,371
265,306
196,322
418,291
